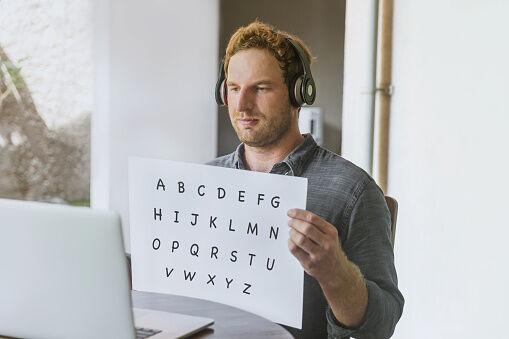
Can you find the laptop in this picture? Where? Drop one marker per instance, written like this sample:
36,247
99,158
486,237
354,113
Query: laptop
63,274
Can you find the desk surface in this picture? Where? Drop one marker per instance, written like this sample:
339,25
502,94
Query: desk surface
230,322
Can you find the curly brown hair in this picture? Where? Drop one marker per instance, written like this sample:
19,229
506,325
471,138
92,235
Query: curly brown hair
261,35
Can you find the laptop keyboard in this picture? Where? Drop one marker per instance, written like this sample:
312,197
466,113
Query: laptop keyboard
142,333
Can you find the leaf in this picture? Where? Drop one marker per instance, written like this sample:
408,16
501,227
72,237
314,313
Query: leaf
9,64
18,83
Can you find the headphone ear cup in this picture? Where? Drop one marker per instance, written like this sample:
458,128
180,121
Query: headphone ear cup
308,90
221,92
221,89
224,92
296,98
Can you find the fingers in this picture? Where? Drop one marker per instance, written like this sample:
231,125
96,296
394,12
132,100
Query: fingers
311,218
308,230
298,252
303,242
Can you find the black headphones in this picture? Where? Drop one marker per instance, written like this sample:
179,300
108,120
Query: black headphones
302,89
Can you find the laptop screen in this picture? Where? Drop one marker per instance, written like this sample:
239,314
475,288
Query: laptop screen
64,273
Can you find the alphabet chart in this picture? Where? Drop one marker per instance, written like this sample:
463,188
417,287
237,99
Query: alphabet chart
216,233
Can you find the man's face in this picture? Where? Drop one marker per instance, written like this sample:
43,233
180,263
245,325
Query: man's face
258,102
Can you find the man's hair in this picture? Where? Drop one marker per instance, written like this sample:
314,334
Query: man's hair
264,36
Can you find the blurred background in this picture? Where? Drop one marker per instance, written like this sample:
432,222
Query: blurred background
45,110
87,83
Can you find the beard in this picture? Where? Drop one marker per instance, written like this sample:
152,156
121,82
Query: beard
267,131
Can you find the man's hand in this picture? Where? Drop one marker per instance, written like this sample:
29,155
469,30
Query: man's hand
315,243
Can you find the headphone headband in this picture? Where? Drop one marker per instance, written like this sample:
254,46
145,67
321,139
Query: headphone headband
302,56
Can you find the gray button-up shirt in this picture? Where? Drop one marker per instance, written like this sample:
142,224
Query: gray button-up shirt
348,198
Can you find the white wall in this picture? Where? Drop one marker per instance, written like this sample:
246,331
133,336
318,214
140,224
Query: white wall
156,71
448,166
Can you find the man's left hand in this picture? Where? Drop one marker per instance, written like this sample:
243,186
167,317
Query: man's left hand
315,243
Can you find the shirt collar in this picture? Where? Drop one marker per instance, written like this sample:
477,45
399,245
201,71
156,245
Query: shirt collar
294,162
238,156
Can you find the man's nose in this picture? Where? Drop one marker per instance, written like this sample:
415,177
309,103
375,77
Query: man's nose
245,101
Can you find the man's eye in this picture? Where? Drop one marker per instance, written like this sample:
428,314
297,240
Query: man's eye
233,89
262,88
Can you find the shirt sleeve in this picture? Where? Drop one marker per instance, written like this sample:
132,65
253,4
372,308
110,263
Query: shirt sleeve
368,245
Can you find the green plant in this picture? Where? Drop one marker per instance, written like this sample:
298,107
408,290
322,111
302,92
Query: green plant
13,71
9,75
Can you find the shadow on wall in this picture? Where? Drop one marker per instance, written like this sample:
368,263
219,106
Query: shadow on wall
37,163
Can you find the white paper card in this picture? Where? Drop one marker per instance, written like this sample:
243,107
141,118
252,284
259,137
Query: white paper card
216,233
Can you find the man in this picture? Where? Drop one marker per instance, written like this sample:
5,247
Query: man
343,239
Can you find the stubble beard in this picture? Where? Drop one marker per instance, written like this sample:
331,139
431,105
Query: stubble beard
266,135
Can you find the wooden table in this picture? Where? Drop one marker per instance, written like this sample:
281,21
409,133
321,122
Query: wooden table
230,322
